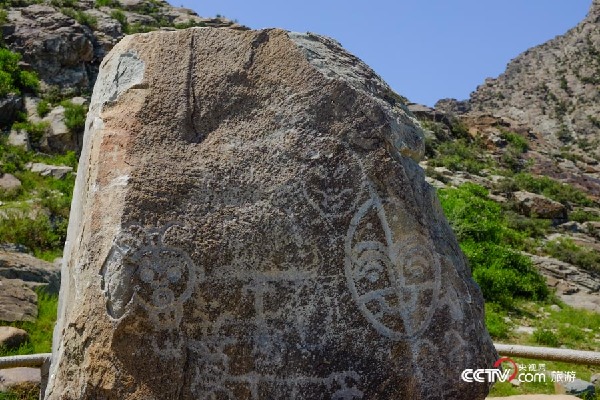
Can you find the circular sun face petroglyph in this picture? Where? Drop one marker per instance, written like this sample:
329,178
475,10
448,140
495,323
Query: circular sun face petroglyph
164,276
141,269
394,283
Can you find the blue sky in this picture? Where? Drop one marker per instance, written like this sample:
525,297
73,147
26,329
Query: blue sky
425,50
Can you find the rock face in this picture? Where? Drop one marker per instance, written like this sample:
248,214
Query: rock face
552,87
250,222
56,46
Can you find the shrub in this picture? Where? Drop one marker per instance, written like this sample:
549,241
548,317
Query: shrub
515,140
12,78
43,108
107,3
460,155
550,188
491,246
35,130
566,250
41,234
583,216
74,116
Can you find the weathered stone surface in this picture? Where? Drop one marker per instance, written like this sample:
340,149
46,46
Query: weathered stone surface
11,337
9,181
29,269
10,104
249,222
531,204
18,302
26,380
56,171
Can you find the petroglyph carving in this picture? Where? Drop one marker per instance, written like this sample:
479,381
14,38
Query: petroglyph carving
213,377
141,269
394,281
334,180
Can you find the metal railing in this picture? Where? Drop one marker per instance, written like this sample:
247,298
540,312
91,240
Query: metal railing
538,353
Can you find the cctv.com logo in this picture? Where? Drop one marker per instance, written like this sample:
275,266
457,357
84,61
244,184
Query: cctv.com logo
497,375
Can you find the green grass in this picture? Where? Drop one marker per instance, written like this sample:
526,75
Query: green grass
40,331
503,389
491,246
47,198
566,250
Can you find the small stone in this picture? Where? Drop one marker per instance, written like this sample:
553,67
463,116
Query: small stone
515,382
578,387
595,380
11,337
9,182
25,379
555,307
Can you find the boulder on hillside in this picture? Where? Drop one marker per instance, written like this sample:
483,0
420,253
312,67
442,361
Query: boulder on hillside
9,182
11,337
30,269
18,301
10,104
55,171
531,204
21,380
250,221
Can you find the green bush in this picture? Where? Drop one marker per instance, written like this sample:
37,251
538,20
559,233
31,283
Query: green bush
35,130
108,3
491,246
74,116
43,108
546,186
460,155
515,140
566,250
41,234
583,216
12,78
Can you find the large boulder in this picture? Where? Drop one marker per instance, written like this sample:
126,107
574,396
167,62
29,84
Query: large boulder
536,205
250,221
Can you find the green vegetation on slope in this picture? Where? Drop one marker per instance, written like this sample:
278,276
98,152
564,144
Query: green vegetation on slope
40,331
12,78
35,214
491,246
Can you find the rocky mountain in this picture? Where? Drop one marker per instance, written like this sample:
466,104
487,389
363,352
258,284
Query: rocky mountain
531,139
64,41
553,89
551,95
